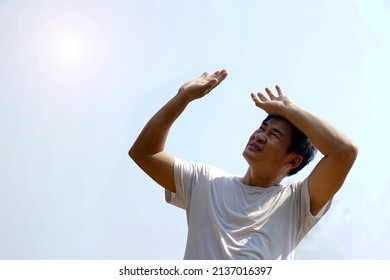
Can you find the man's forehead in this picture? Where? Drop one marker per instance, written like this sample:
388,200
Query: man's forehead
275,121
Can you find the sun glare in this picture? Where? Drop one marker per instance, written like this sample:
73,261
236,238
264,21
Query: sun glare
70,48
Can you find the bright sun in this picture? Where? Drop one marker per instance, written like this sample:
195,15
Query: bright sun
70,48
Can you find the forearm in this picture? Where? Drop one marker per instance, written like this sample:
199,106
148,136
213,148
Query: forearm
153,137
327,139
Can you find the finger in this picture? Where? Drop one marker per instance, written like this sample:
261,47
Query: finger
210,85
270,94
213,82
255,99
216,78
205,74
262,97
259,100
279,90
221,75
215,75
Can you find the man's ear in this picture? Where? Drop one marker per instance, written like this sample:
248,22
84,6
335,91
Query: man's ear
295,161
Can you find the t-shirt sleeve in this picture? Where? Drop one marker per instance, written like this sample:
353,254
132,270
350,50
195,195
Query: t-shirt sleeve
308,220
186,175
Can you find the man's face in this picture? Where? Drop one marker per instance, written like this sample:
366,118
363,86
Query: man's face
267,146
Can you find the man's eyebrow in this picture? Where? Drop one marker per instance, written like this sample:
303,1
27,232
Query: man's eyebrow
273,128
278,131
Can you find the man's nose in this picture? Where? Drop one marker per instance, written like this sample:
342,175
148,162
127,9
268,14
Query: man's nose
260,137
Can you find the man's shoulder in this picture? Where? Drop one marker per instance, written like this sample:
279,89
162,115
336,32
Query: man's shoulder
204,168
295,183
295,187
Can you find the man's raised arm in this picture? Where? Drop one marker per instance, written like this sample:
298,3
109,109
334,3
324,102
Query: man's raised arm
148,150
338,150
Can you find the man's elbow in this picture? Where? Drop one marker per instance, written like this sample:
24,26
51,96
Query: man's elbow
354,151
133,153
138,155
350,152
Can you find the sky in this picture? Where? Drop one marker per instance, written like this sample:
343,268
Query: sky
80,79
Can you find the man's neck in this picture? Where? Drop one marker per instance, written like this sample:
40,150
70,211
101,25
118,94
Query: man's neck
259,179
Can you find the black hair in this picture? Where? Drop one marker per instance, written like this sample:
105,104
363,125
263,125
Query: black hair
300,145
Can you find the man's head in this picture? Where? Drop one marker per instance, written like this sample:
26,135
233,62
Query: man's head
278,148
300,144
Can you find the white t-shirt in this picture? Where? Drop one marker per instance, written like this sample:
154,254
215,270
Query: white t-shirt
230,220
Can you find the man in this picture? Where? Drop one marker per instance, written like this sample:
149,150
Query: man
249,217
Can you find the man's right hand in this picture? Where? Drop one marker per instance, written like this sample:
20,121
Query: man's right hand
148,150
202,85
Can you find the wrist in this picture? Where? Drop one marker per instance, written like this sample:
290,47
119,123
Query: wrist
181,99
286,110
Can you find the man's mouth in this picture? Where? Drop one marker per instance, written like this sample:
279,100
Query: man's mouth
256,146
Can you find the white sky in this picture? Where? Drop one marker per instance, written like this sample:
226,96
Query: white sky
79,80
